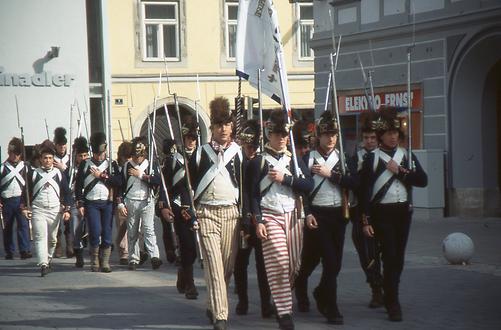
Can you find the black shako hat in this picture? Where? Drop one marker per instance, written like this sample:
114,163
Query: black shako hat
327,123
80,145
60,136
220,111
250,133
98,142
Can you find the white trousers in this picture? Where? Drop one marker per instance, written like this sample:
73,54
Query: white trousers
45,222
141,214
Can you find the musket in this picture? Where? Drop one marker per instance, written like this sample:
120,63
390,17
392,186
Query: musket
261,136
196,111
74,155
194,220
131,106
370,101
409,93
175,241
70,152
25,175
85,120
47,128
121,131
335,109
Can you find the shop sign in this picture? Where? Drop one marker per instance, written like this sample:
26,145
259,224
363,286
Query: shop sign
43,79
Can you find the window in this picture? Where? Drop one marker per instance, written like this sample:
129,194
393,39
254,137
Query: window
305,30
160,30
231,17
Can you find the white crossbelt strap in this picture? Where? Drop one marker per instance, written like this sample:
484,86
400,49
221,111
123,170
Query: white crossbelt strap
181,172
331,161
278,164
14,172
89,178
141,168
217,166
63,160
361,153
47,177
386,175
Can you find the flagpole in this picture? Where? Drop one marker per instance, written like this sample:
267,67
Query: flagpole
261,136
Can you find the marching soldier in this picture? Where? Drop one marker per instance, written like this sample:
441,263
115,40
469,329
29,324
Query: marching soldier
12,185
48,189
368,249
62,162
310,254
175,174
138,178
93,193
326,211
250,144
273,203
81,150
387,181
215,170
124,154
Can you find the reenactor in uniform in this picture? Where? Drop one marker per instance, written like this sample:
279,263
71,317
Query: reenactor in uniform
326,211
249,138
50,196
310,254
175,175
62,162
387,179
124,154
81,150
94,194
138,179
368,249
12,185
215,170
273,204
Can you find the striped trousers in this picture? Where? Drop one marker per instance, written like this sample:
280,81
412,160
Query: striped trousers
281,252
218,235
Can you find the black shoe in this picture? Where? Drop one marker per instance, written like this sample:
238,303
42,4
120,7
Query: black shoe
320,301
191,292
395,313
180,283
9,256
242,307
335,318
209,315
143,256
220,325
303,306
171,256
377,297
132,266
156,263
44,270
26,255
124,261
267,311
285,322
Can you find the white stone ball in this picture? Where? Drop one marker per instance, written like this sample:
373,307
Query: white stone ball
458,248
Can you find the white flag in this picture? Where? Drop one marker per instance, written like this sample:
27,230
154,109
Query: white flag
259,47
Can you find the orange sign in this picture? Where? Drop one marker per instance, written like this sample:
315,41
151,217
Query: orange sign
358,102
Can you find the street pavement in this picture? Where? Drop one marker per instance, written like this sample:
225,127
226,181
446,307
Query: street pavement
434,294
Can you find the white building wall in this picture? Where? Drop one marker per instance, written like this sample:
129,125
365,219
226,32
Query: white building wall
29,29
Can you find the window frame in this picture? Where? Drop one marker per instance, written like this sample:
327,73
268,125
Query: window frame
300,23
227,23
160,23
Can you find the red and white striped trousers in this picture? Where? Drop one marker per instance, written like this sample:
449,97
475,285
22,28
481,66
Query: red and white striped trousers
281,252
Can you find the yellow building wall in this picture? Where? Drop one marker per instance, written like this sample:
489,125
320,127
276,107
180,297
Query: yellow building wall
203,53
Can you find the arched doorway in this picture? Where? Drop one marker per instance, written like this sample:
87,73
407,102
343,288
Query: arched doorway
188,113
474,126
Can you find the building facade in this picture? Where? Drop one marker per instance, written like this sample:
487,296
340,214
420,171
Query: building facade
455,79
186,42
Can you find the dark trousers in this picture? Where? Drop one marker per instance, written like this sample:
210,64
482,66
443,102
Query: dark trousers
187,241
368,250
99,216
240,270
331,229
391,224
310,258
11,212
